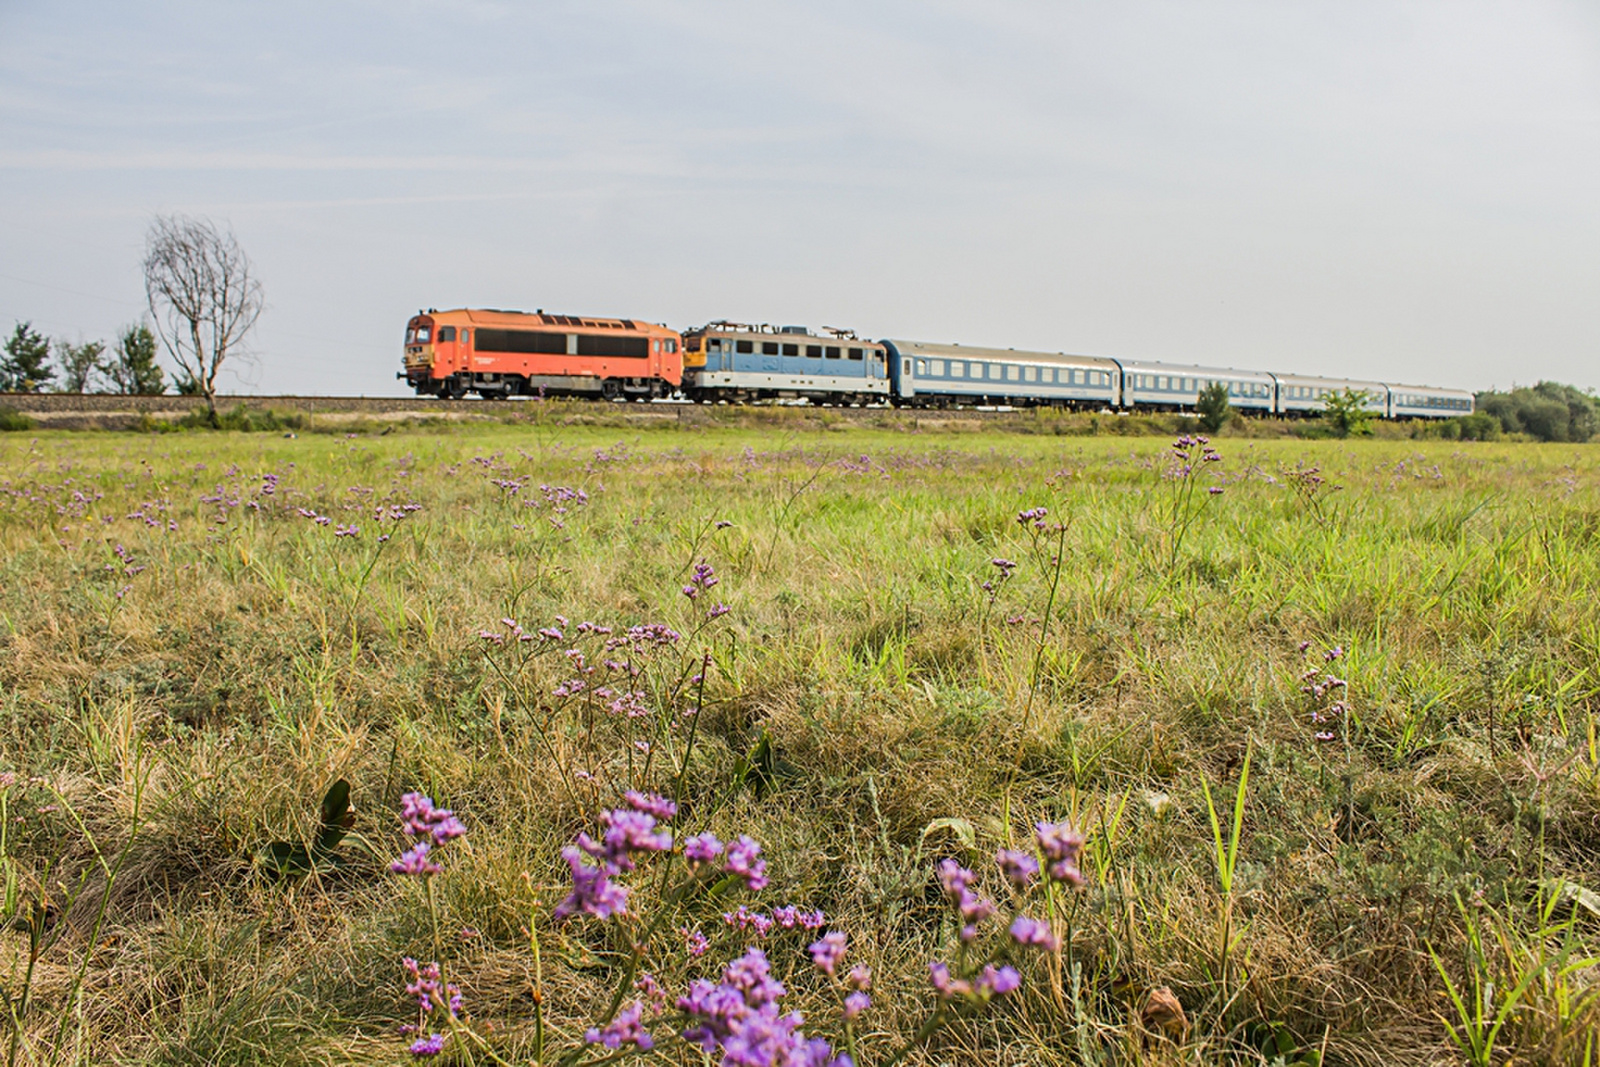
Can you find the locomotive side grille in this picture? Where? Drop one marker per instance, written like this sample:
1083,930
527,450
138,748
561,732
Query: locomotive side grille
533,342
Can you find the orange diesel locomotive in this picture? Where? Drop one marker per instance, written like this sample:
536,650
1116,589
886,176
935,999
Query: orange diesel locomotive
497,354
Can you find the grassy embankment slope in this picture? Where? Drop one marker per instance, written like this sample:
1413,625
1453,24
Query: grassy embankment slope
187,661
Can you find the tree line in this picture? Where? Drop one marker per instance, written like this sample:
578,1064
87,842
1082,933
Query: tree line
203,298
1548,411
34,364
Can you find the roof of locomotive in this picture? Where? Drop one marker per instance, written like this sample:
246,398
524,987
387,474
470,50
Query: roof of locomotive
954,351
723,328
535,319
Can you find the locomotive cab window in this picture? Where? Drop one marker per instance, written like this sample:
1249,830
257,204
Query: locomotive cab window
447,333
672,344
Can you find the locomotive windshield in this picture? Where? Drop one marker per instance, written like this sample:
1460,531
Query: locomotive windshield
418,335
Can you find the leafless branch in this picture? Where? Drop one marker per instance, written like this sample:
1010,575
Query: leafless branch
202,294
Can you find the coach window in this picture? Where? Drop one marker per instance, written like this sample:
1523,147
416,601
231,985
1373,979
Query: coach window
1030,374
831,352
922,367
855,353
813,351
745,347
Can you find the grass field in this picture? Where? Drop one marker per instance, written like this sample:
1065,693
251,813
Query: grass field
1329,736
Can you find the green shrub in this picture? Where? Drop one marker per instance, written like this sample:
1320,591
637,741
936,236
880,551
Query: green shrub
1549,411
14,420
1347,414
243,419
1479,426
1213,407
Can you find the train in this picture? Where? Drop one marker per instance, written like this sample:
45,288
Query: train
499,354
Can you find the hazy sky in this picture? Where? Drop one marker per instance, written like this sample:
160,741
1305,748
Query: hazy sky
1405,191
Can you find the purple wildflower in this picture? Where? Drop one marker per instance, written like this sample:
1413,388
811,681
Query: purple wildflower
1018,866
701,848
827,952
625,1029
744,861
955,878
414,861
651,804
998,981
944,985
626,832
593,891
1034,933
430,988
694,941
422,819
855,1004
431,1045
1062,847
860,977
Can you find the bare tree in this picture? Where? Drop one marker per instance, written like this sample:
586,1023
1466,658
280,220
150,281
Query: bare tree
202,294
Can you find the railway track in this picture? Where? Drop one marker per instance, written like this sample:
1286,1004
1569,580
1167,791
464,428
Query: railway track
66,410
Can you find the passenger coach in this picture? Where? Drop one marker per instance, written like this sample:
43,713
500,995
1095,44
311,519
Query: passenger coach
1301,394
1174,387
1427,402
934,375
